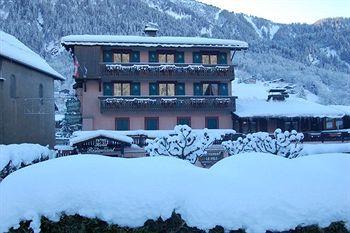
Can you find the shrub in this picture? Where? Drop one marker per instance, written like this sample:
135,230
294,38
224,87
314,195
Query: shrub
183,143
286,144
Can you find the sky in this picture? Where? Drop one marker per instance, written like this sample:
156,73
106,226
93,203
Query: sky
287,11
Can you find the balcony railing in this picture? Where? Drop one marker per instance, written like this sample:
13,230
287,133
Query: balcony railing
166,69
125,103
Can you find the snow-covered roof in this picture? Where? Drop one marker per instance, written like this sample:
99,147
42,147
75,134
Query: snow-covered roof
80,136
125,136
158,41
344,108
160,133
11,48
291,107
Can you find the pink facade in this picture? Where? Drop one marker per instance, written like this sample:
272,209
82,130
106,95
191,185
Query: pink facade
93,119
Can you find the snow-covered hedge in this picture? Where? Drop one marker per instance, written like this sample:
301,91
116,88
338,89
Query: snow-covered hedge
248,191
286,144
184,143
16,156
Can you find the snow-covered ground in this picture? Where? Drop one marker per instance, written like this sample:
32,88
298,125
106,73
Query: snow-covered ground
323,148
252,191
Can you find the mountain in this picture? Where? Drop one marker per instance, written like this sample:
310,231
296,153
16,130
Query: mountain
314,57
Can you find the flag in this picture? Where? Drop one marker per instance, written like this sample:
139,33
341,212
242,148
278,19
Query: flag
76,67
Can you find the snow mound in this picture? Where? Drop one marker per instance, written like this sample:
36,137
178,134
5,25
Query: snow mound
252,191
22,153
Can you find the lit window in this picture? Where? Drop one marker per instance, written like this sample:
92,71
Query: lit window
166,58
121,89
210,89
166,89
208,59
119,57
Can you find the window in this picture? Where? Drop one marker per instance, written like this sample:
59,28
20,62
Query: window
151,123
166,89
184,121
121,57
210,89
290,125
212,122
329,123
210,59
166,57
121,89
41,93
13,86
122,123
339,123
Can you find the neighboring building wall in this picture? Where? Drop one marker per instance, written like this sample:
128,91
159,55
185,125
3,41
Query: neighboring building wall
17,125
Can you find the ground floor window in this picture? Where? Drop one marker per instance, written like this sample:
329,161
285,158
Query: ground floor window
212,122
184,121
291,125
122,123
151,123
339,123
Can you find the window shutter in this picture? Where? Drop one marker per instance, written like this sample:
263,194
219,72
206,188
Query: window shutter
153,89
135,56
197,89
180,89
180,57
197,57
223,89
107,89
135,89
222,58
107,56
153,56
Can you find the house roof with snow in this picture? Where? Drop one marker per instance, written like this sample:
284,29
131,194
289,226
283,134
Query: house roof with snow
12,49
80,136
252,102
293,107
157,41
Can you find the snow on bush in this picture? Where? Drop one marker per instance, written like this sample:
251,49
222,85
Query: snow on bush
16,156
286,144
184,143
248,191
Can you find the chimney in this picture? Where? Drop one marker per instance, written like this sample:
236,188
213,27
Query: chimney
151,29
277,94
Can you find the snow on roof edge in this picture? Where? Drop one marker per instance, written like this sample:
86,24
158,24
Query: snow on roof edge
163,41
80,136
13,49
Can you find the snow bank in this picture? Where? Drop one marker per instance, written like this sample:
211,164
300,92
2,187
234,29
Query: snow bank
22,153
13,49
323,148
253,191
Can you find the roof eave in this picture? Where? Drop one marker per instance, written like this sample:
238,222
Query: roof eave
55,77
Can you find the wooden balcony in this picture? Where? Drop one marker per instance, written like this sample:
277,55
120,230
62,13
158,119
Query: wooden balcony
166,103
109,70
